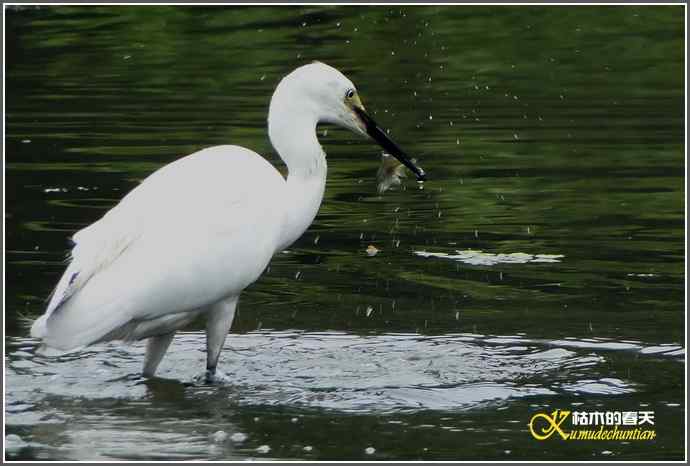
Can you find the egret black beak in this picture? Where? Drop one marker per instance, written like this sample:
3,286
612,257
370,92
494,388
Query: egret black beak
380,136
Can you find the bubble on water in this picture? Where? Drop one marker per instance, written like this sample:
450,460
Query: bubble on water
294,420
370,450
307,448
219,436
263,449
238,437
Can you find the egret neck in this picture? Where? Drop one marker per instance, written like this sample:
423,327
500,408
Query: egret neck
294,138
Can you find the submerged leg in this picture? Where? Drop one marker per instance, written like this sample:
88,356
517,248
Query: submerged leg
155,350
217,326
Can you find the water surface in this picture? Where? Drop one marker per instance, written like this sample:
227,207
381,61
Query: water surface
541,266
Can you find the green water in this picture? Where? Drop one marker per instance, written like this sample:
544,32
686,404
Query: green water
544,131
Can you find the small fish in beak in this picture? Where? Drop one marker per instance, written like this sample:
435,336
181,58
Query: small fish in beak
389,173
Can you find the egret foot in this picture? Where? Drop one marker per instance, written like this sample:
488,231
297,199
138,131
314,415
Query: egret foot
212,377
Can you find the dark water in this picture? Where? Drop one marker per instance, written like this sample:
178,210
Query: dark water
541,267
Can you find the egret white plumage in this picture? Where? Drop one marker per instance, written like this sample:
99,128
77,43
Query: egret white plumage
194,234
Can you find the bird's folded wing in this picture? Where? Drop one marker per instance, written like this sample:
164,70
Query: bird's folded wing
185,235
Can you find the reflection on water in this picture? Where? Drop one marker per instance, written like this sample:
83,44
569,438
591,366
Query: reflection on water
488,258
389,376
541,266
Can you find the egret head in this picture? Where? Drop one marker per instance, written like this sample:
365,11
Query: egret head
325,93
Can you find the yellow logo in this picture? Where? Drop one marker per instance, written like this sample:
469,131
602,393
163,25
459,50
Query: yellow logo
594,425
553,424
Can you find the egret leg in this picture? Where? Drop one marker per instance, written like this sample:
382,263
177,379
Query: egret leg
155,350
217,327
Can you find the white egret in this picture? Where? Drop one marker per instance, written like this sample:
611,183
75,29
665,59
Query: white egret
198,231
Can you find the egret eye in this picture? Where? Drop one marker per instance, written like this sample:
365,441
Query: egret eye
350,93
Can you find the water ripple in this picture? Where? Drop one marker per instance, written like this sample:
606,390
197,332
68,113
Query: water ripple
339,371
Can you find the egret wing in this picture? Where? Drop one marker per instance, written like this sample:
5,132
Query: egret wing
190,234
